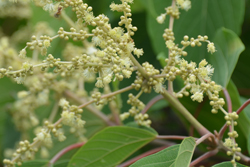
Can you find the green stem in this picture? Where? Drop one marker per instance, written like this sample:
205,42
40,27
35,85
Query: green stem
138,65
175,103
171,25
54,112
68,19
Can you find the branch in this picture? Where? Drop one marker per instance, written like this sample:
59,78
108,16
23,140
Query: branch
90,108
228,99
175,103
63,151
151,103
171,25
175,137
204,156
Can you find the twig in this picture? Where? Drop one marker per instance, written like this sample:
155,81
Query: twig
228,99
171,25
151,103
204,156
175,137
204,137
63,151
174,102
54,112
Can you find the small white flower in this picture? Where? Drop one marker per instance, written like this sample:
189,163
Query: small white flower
63,102
159,88
138,52
186,5
80,123
99,83
41,136
107,79
91,50
211,47
49,7
26,66
170,44
22,53
124,116
160,19
198,96
96,40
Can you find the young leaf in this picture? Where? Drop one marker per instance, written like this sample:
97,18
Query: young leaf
177,155
185,153
163,158
228,164
111,146
224,60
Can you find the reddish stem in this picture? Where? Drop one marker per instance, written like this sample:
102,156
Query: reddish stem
133,160
204,137
65,150
228,99
204,156
151,103
175,137
223,129
243,106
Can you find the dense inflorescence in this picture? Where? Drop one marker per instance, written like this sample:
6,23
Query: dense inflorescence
107,55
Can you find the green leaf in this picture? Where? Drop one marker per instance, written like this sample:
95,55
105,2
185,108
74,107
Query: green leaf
228,164
111,146
135,125
36,163
204,18
224,60
163,158
161,57
185,153
61,163
177,155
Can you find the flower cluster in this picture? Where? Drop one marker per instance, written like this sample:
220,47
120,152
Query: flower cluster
134,111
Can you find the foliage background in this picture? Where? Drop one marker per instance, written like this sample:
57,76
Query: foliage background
206,17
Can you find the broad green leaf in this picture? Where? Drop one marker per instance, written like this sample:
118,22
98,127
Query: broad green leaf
204,18
135,125
228,164
35,163
185,153
224,60
61,163
177,155
163,158
111,146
